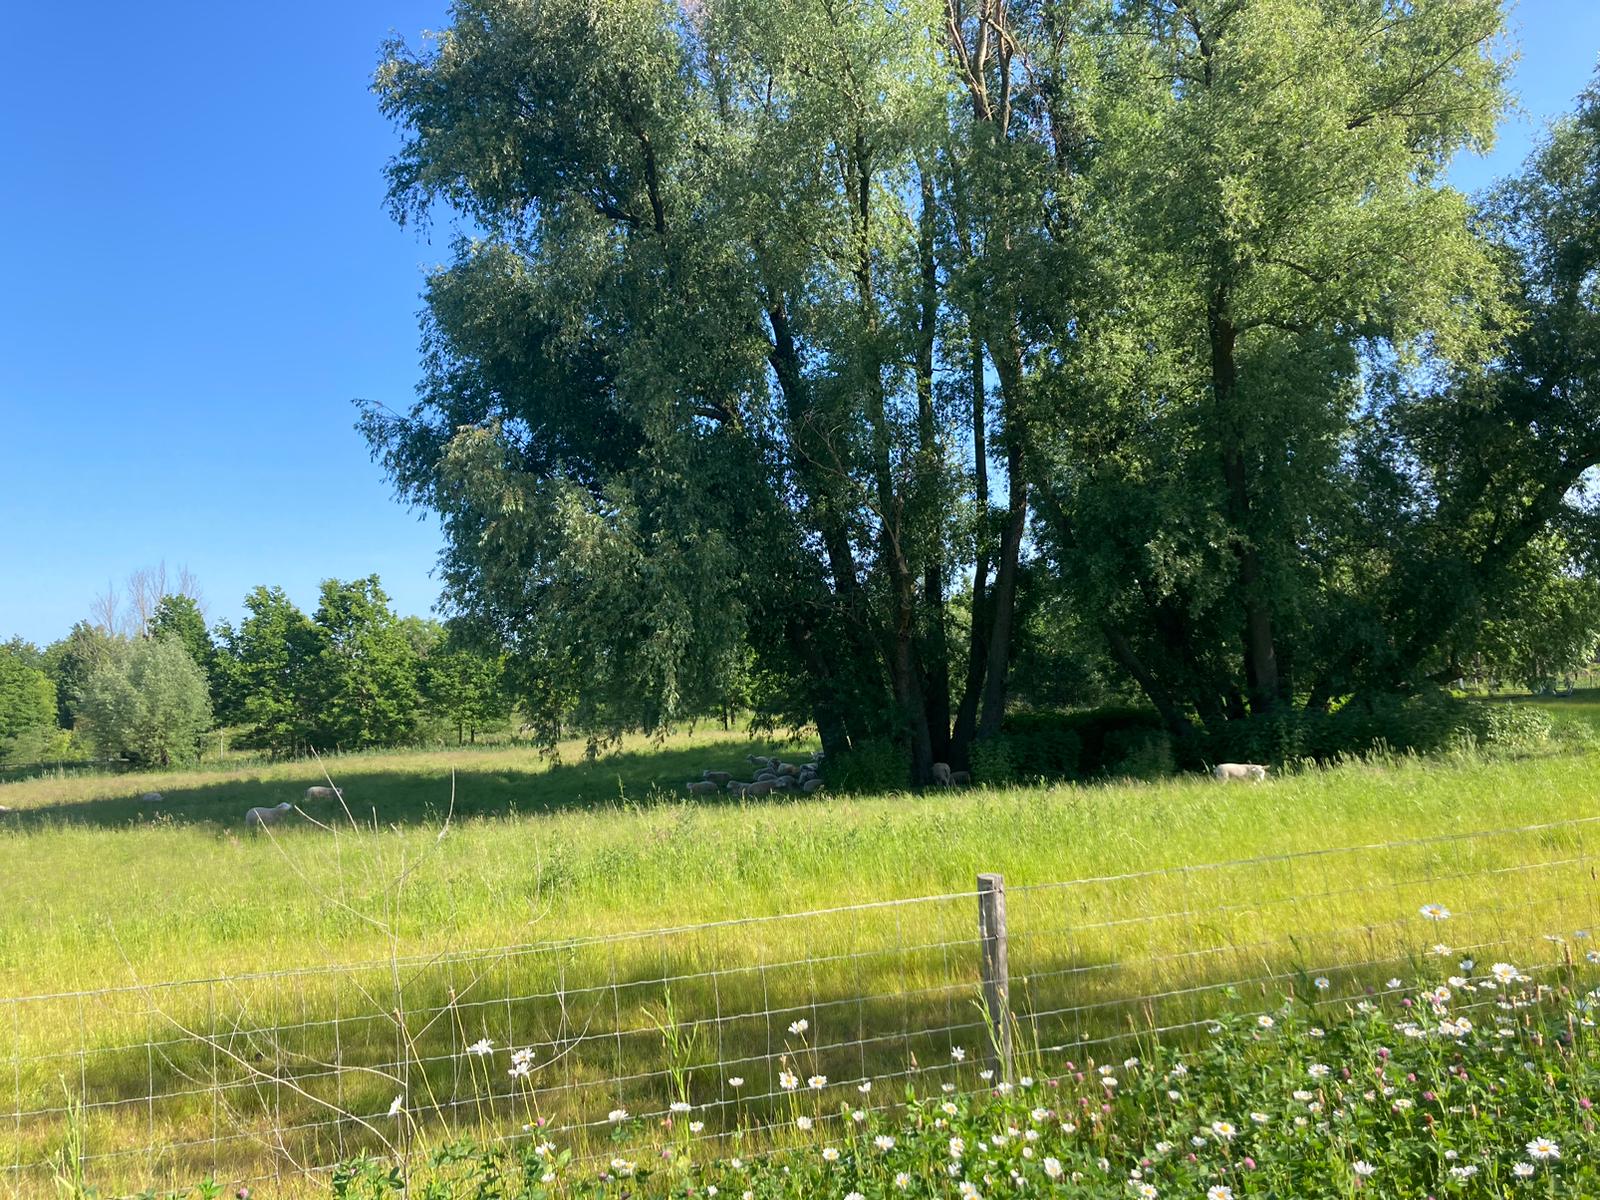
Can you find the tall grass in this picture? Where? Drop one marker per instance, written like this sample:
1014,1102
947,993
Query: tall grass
100,891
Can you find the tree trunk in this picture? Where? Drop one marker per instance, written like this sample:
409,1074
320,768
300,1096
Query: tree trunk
1260,653
934,652
1003,607
978,628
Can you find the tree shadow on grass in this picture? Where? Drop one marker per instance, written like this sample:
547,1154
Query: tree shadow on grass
402,794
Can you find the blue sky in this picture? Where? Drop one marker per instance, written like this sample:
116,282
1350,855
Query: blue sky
201,277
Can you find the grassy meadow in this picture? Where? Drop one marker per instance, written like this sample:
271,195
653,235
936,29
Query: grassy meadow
517,923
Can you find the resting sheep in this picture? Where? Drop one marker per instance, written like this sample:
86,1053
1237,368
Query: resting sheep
1226,771
701,787
810,785
761,787
259,818
323,793
150,798
719,778
757,760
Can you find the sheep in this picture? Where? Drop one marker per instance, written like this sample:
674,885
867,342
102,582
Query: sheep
701,787
1226,771
324,793
810,785
737,788
961,777
761,787
786,783
260,818
766,776
150,798
788,769
757,760
941,774
720,778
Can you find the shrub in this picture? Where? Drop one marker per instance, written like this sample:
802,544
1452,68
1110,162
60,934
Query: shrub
875,765
148,702
1140,753
1515,726
1074,745
992,763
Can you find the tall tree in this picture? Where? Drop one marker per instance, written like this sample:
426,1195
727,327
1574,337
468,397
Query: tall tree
148,702
27,703
363,676
269,660
685,395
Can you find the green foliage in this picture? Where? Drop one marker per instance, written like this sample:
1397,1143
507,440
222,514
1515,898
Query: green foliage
872,767
992,762
362,677
267,676
148,702
465,686
180,617
1515,726
27,707
72,661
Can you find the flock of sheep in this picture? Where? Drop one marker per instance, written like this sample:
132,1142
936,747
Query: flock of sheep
771,775
259,818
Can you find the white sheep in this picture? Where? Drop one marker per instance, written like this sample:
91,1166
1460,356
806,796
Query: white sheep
810,785
1226,771
961,777
150,798
788,769
757,760
761,787
717,777
701,787
941,774
259,818
324,793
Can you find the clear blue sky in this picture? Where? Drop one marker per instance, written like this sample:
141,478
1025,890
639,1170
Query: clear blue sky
200,277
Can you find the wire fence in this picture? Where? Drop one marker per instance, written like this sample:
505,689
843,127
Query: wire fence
276,1076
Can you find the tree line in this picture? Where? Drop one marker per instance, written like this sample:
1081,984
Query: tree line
895,357
148,680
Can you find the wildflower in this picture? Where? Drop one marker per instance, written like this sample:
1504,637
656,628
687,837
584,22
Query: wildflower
803,1124
830,1154
397,1106
1466,1172
1543,1149
736,1081
864,1086
1224,1130
1441,950
854,1196
1435,912
817,1082
1322,983
1392,984
800,1027
1317,1071
969,1191
986,1075
1523,1170
1052,1168
958,1054
957,1147
788,1081
1260,1118
1220,1192
1265,1021
902,1180
617,1116
1146,1191
1505,972
679,1106
520,1070
1364,1169
481,1047
883,1142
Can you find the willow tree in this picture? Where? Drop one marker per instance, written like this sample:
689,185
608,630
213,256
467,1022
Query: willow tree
706,398
1270,238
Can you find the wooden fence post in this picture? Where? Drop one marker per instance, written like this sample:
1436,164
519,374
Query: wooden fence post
996,971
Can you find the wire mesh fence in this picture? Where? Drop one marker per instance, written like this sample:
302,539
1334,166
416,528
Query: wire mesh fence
276,1076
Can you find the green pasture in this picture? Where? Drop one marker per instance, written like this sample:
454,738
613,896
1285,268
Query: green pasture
514,922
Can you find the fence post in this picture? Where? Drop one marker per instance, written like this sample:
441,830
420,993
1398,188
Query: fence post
996,971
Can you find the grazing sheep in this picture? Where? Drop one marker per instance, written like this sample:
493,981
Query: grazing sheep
941,774
961,777
701,787
150,798
1227,771
259,818
324,793
811,785
720,778
737,788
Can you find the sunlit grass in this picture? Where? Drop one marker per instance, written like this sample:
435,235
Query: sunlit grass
539,857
